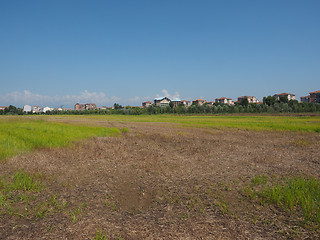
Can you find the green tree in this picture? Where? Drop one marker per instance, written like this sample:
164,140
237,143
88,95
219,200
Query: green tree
283,99
244,102
270,100
117,106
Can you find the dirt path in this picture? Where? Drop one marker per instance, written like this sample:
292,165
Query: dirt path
159,181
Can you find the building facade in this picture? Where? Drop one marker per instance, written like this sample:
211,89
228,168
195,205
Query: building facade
146,104
315,97
90,106
87,106
289,96
305,99
186,103
162,102
251,99
27,108
199,102
224,100
176,102
36,109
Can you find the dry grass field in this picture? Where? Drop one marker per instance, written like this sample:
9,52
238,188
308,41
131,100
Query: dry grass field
159,180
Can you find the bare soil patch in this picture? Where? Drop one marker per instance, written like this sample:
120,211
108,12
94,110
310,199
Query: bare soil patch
160,181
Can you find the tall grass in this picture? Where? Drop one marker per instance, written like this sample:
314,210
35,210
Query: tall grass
20,135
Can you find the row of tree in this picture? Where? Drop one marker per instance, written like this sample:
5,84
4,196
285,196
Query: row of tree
270,105
12,110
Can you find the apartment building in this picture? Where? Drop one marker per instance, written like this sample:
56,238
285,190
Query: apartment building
186,103
251,99
146,104
315,97
289,96
162,102
224,100
87,106
199,102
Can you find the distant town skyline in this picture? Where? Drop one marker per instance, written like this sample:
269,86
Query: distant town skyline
100,99
57,53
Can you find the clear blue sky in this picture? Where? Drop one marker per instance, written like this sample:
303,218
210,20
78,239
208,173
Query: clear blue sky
60,52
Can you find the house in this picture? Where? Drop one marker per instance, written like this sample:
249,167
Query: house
90,106
87,106
251,99
199,102
146,104
3,107
224,100
315,97
186,103
211,103
36,109
46,109
162,102
289,96
27,108
79,106
305,99
176,102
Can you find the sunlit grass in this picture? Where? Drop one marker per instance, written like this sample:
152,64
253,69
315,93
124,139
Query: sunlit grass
259,122
296,195
20,134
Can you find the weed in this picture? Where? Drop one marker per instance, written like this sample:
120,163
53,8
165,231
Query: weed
258,180
124,130
300,143
223,207
75,213
100,236
24,181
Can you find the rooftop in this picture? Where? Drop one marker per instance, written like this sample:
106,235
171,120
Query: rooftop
315,92
283,94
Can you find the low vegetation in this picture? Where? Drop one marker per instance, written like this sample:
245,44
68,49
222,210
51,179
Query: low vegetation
257,122
191,179
297,196
20,194
20,134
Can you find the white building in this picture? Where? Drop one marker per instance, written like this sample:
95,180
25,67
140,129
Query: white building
27,108
45,109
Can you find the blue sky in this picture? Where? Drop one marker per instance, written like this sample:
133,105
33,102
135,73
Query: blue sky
62,52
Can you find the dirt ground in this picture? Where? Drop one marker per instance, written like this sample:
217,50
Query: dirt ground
161,181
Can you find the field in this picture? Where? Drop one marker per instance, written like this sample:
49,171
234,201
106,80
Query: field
160,177
249,122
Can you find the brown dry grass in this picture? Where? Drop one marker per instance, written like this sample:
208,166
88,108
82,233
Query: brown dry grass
163,182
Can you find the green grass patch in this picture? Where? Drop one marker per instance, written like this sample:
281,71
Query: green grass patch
25,196
295,195
252,122
20,134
